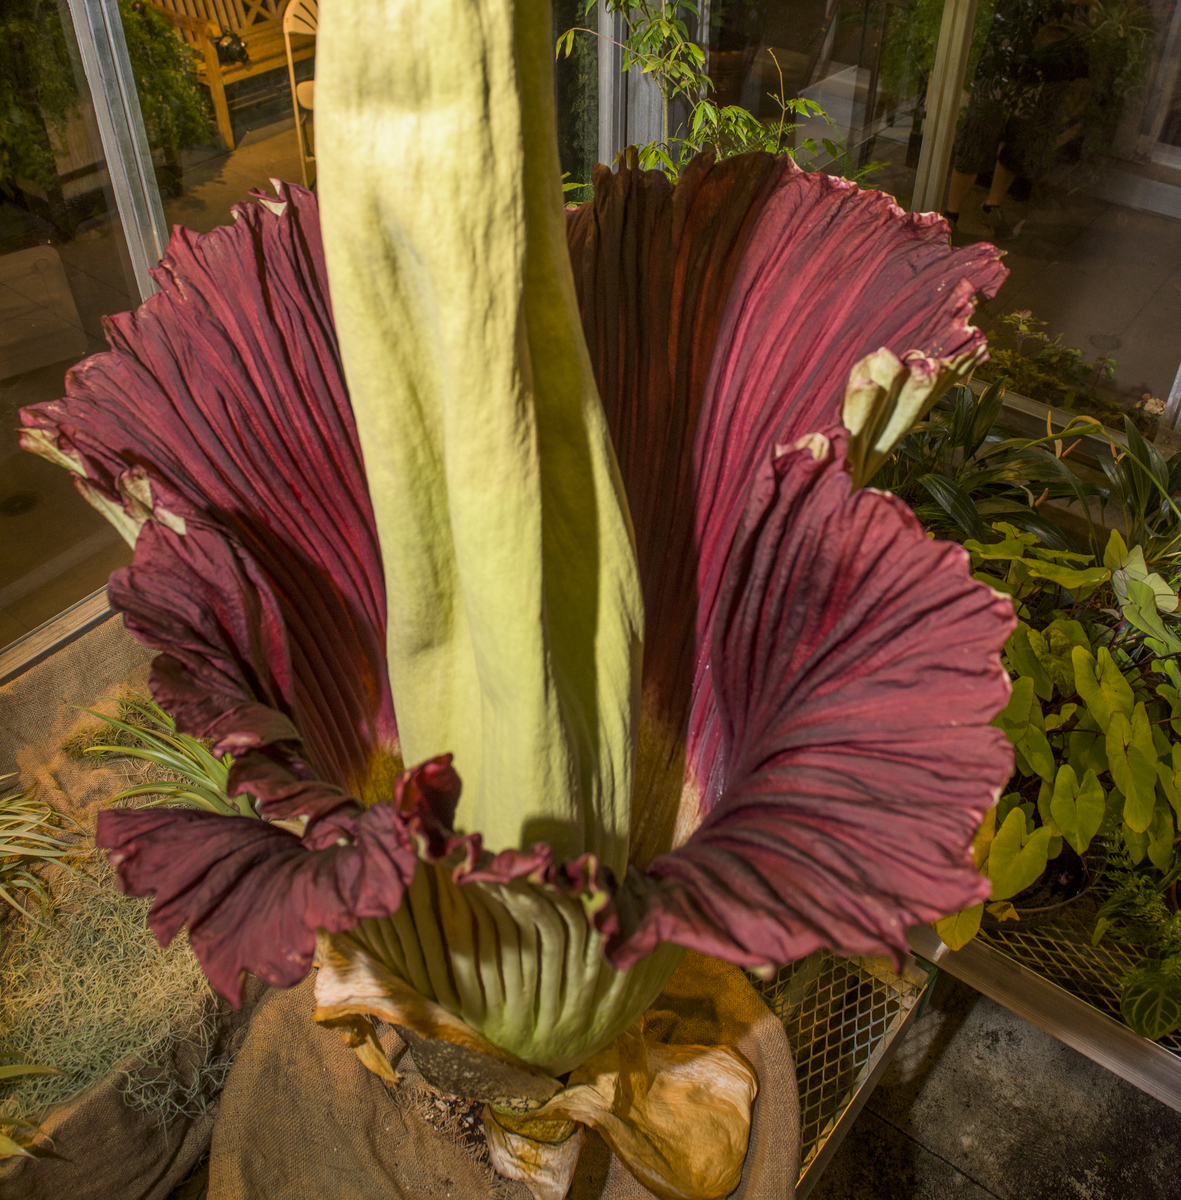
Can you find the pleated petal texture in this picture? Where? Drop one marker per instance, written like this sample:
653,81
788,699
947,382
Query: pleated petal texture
856,670
819,676
227,386
253,894
723,317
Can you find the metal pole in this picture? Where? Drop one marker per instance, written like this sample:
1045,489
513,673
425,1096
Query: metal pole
612,86
943,104
103,49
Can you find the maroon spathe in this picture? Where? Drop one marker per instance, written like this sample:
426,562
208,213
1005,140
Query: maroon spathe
830,670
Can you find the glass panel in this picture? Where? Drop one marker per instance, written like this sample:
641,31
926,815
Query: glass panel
576,93
864,62
1068,157
63,266
215,85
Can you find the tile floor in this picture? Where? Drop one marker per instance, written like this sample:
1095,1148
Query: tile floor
1105,277
978,1104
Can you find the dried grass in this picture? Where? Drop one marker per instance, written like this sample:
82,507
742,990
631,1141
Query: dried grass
93,990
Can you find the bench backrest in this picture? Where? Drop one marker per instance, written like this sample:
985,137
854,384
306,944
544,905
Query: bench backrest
232,16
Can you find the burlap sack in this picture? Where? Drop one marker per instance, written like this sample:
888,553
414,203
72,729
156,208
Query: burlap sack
98,1148
300,1116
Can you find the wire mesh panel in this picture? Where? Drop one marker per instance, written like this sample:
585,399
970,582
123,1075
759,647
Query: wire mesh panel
840,1016
1061,951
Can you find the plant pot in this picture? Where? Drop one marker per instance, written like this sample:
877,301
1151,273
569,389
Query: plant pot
1064,882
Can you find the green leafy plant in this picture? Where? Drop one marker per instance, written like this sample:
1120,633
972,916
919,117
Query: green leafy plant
31,834
959,469
39,86
1141,482
191,775
1141,911
1043,368
15,1065
658,43
1094,715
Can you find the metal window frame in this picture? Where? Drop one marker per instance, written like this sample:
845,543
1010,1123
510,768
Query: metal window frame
944,93
631,112
103,50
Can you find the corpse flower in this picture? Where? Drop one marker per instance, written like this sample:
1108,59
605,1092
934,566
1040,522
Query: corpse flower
664,674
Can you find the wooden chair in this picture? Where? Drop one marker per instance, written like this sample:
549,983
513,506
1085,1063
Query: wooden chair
301,17
259,23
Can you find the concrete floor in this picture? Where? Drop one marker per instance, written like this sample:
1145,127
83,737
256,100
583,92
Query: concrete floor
978,1104
1105,276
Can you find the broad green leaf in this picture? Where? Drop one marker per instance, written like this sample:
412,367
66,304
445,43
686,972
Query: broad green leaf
1002,910
1140,609
1073,631
1115,556
1136,843
1081,581
1004,806
1014,717
1058,661
1086,752
1128,566
958,929
1160,838
1131,756
1021,719
1078,808
1017,856
1045,794
1101,685
1027,652
1151,1000
1172,696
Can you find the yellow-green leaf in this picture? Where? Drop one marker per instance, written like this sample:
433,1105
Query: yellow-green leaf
1017,856
1160,838
1101,684
1085,752
8,1147
1136,843
1078,808
1131,755
958,929
1027,651
1150,1003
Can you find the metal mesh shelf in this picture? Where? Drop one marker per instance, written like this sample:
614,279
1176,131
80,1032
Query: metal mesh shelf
1061,952
843,1017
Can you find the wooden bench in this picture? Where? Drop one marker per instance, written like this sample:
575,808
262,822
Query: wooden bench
259,23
